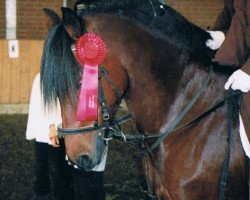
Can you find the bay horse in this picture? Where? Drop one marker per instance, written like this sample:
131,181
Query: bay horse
157,79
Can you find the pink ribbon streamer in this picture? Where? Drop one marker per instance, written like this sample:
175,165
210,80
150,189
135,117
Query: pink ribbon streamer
90,51
88,98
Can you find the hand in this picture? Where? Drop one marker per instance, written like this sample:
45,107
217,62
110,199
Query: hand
53,136
239,80
217,39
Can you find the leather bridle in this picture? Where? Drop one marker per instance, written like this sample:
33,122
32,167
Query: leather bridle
111,129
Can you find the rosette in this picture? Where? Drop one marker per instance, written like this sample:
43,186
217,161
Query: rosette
90,52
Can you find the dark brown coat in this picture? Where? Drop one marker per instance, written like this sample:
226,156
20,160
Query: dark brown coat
234,20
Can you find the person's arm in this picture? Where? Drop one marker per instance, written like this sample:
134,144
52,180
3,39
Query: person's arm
221,26
223,20
53,135
246,67
234,50
34,115
240,79
54,119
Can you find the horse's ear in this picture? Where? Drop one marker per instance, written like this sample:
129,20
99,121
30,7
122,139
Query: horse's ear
52,18
73,24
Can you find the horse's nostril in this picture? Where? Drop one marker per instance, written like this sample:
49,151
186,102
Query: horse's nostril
84,160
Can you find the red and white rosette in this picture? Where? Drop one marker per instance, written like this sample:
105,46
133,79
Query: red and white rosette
90,52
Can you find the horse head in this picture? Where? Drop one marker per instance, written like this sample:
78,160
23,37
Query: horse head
60,77
144,67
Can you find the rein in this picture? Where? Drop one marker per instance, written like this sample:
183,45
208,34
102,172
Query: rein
211,109
225,168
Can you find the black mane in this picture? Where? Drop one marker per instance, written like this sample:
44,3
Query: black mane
59,69
157,17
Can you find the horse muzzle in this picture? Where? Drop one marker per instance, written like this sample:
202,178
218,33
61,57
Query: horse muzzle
89,162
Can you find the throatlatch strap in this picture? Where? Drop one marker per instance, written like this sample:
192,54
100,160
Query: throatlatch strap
102,100
104,73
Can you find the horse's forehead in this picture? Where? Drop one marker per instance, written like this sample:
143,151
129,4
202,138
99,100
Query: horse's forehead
95,23
89,24
104,23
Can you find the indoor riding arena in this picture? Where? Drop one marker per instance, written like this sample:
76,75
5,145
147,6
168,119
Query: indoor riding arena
22,35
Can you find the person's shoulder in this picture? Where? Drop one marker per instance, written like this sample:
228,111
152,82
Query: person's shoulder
37,78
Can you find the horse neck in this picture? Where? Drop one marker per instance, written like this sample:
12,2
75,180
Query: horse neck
156,104
188,84
152,91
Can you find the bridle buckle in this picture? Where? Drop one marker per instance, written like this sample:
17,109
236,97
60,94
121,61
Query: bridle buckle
108,133
105,116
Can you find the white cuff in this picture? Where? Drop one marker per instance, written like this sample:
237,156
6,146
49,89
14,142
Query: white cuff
217,39
239,80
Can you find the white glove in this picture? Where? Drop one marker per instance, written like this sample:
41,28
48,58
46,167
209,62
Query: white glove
239,80
217,39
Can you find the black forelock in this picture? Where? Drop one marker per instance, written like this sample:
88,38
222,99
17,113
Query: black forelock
60,72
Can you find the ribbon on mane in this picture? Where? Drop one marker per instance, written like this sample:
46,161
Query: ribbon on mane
90,52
